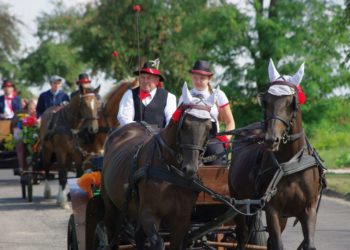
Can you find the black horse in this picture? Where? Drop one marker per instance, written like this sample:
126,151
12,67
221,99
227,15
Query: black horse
285,161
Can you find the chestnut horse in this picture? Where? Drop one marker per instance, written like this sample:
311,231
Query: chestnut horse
294,193
56,134
107,118
146,200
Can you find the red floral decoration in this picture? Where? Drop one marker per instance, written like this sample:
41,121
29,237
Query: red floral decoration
115,54
177,114
137,8
301,95
29,121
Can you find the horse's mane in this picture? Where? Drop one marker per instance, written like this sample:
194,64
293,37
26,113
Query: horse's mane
117,92
112,99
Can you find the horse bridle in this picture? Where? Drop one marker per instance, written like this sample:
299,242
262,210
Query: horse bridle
182,146
176,153
86,118
287,124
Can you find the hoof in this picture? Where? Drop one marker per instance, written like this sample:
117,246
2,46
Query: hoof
61,197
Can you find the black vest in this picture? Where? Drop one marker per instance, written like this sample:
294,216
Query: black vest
153,113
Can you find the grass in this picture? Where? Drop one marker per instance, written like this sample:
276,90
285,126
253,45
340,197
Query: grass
339,182
331,155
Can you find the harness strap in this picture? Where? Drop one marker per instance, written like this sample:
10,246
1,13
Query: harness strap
304,163
164,174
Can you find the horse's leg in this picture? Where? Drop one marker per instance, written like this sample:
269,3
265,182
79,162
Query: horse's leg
178,232
150,224
140,238
241,231
308,224
78,160
113,220
46,154
274,229
62,178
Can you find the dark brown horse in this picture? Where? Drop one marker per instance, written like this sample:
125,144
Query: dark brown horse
107,118
253,166
56,133
149,201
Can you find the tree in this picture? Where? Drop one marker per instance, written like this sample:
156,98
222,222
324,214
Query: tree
9,41
291,32
177,32
55,54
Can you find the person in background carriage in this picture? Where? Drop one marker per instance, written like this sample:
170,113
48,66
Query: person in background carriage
201,75
84,81
23,117
150,102
52,97
10,103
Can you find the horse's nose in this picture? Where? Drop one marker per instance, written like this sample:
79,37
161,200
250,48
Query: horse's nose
189,170
272,141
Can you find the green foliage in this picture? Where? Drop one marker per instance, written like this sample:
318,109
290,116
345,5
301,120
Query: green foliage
9,43
327,124
178,32
343,160
49,59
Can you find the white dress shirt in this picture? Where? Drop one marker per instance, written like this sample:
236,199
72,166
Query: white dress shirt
126,112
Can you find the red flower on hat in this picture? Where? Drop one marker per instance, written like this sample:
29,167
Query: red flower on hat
115,54
137,8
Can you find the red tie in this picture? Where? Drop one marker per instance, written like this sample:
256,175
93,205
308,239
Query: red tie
143,95
8,100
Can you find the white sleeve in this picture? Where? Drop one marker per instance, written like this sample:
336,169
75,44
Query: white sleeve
170,107
126,113
222,99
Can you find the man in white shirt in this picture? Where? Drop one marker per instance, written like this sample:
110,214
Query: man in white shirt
149,102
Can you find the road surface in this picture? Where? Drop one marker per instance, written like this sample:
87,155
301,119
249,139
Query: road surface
42,225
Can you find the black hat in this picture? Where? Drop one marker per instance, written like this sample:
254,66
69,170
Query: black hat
83,78
150,67
202,68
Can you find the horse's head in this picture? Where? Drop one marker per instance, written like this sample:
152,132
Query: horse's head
88,109
280,103
193,126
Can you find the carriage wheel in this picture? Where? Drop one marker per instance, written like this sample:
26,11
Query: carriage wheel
100,237
30,187
72,242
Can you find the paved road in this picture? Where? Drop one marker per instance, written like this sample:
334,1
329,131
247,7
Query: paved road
41,225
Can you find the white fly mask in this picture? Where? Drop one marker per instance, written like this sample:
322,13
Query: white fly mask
188,99
279,90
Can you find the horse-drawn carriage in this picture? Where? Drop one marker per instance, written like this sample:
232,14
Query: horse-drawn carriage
8,158
211,222
149,180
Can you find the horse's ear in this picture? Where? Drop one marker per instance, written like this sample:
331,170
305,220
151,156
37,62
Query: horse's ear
273,73
97,89
296,79
186,95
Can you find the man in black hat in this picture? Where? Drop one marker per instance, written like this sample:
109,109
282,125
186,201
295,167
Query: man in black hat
10,103
149,102
52,97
